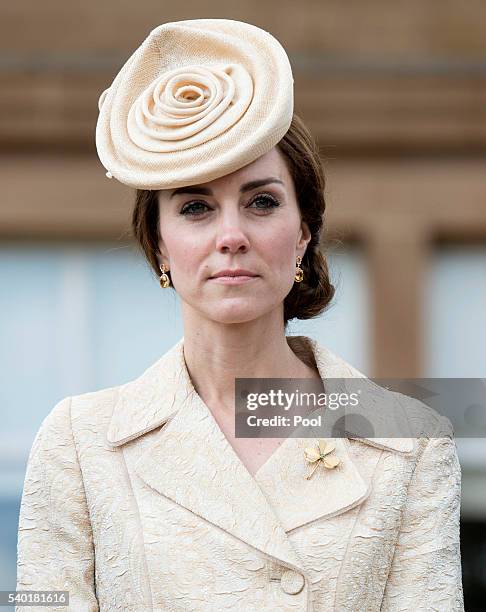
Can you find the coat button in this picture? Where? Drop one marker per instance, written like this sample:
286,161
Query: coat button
292,582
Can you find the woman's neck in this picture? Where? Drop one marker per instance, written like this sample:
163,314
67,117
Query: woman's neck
214,363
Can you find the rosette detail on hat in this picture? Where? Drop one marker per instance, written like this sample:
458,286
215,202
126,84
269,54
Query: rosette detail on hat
187,106
197,100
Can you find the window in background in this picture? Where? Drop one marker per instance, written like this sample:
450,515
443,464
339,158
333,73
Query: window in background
455,301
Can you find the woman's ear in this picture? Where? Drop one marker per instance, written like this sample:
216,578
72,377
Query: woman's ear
304,237
162,255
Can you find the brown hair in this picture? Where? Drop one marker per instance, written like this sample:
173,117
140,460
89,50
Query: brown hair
308,298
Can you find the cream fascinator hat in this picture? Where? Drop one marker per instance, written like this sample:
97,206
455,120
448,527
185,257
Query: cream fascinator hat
197,100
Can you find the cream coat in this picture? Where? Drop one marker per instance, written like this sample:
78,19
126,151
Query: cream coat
134,500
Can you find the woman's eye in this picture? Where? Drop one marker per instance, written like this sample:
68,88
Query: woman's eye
191,206
269,201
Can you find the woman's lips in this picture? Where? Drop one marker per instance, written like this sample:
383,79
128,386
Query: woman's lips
232,280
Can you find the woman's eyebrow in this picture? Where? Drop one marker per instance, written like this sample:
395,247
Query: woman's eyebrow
200,190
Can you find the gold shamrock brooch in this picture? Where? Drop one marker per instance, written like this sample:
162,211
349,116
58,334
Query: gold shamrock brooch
321,455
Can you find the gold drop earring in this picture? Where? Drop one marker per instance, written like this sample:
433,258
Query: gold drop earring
299,273
164,279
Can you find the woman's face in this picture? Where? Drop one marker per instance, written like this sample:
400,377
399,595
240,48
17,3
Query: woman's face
247,219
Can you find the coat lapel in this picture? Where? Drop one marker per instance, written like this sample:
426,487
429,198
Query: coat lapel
378,406
191,461
329,492
298,501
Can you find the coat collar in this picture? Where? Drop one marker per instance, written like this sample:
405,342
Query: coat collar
157,394
191,462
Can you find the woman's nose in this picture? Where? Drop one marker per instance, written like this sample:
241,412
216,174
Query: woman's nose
231,234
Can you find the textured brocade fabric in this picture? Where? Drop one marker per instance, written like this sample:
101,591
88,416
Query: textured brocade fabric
427,552
134,501
55,542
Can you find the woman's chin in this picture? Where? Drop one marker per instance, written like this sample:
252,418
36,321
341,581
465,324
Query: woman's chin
234,319
235,313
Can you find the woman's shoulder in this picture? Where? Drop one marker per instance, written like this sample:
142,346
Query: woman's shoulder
84,412
92,405
398,420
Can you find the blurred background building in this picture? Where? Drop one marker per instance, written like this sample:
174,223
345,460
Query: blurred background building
395,94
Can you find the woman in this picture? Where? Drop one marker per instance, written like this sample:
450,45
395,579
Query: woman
140,496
